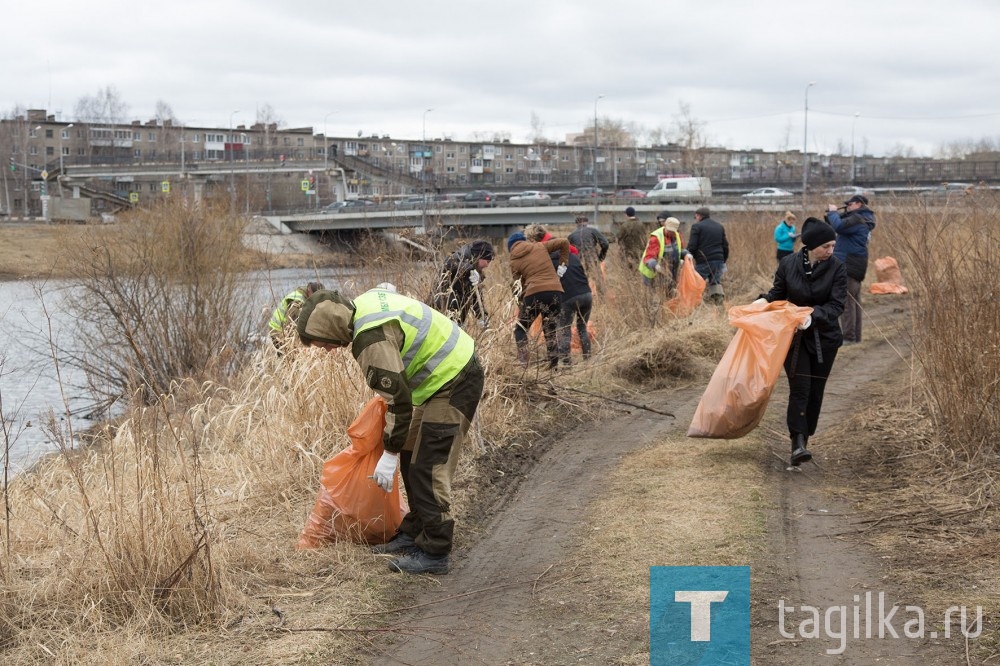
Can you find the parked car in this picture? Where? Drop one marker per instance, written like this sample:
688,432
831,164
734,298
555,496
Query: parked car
765,194
847,191
584,193
629,194
480,199
530,195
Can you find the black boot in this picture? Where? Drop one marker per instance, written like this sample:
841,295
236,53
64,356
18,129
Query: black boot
799,452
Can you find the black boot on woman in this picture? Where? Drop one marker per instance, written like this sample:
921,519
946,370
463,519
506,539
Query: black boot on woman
799,452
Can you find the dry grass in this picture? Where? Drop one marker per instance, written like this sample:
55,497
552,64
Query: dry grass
173,537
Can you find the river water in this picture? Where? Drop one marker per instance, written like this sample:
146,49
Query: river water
39,387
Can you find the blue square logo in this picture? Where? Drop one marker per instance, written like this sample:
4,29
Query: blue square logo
699,615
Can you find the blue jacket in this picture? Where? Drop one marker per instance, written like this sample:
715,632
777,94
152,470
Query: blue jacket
854,230
784,236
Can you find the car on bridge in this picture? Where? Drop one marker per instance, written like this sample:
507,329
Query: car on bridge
531,197
418,201
480,199
349,205
584,193
629,194
767,194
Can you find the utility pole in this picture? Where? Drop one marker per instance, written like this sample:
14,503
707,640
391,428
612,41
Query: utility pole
805,147
596,198
423,171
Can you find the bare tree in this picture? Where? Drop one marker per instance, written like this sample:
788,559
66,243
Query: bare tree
537,129
107,107
690,136
164,113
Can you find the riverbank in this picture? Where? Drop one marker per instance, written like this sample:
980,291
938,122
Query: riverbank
34,250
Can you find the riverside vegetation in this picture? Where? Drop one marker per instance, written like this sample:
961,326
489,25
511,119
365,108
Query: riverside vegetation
169,536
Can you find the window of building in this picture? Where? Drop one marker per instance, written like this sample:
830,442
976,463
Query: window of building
437,149
463,149
151,136
194,139
137,153
137,136
301,141
48,134
461,165
65,134
450,155
508,170
450,169
81,151
49,150
33,132
287,141
65,151
33,150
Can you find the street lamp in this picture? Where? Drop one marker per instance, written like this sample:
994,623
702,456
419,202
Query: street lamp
423,170
58,180
326,142
853,123
599,97
232,168
805,147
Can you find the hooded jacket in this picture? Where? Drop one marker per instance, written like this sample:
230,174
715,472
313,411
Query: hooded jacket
530,263
454,291
407,350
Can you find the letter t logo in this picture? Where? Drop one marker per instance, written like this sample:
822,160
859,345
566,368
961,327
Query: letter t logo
701,610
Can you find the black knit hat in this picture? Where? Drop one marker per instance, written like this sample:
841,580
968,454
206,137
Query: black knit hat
630,212
482,250
816,232
662,215
857,198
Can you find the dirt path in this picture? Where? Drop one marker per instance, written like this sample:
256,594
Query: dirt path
487,610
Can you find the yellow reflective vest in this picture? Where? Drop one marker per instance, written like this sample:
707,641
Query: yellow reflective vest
658,233
280,316
435,349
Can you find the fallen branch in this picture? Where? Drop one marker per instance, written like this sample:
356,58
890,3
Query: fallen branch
610,399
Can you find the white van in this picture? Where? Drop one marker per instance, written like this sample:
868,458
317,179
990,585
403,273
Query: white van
687,188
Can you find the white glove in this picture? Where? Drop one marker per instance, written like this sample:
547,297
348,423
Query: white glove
385,470
760,301
659,268
561,270
484,322
806,324
474,278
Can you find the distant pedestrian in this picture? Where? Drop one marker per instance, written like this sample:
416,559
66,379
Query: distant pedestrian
457,290
593,247
854,231
784,235
541,290
631,237
664,252
710,248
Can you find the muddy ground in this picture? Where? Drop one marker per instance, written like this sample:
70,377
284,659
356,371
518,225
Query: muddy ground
524,593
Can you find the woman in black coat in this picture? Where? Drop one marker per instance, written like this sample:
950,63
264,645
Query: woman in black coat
811,277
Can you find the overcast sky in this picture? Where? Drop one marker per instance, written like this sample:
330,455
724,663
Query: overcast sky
918,74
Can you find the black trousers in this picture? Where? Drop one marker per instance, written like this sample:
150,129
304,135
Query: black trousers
578,309
439,429
806,384
547,304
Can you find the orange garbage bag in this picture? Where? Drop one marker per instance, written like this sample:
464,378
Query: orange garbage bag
690,288
889,279
349,504
736,397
